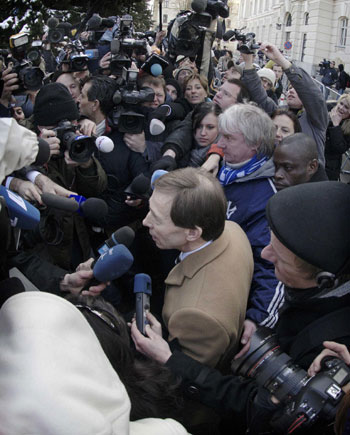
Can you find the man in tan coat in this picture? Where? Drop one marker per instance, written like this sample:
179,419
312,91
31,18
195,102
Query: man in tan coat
207,291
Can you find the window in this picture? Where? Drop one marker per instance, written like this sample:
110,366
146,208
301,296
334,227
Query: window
166,3
306,18
288,19
303,48
165,18
343,27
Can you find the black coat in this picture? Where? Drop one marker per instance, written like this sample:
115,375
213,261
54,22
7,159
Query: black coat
335,146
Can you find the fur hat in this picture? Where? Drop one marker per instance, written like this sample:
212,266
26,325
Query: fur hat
312,221
53,104
268,74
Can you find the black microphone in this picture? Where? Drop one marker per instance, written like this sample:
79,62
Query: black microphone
143,293
139,188
94,208
123,236
60,202
43,155
52,22
94,22
228,35
199,6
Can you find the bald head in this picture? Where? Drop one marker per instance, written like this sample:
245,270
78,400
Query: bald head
295,160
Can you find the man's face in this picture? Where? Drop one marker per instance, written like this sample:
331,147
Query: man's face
293,100
227,95
278,71
159,96
86,106
291,168
235,148
231,73
286,265
332,64
162,229
73,86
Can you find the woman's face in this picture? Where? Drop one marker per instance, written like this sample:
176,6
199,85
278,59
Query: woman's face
284,127
194,92
207,130
343,108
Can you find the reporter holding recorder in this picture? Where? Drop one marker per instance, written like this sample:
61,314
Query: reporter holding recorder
313,262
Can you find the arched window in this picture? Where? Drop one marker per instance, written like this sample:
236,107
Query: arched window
306,18
343,31
288,19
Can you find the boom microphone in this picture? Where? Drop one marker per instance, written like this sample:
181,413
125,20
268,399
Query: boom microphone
22,214
112,264
123,236
52,22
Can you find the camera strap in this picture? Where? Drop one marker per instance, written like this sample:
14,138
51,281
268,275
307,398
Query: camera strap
329,327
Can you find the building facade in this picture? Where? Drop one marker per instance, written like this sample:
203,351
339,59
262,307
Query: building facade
315,30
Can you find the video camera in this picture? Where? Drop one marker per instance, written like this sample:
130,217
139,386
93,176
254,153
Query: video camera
324,64
246,42
74,56
126,98
58,30
26,60
304,399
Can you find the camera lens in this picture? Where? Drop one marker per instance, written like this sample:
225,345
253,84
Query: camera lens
32,78
55,36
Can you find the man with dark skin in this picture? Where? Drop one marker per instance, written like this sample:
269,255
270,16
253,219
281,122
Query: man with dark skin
296,162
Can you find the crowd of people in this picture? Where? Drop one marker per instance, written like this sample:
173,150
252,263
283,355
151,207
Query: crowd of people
241,222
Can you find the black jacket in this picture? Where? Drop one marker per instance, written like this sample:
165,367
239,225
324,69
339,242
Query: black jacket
336,144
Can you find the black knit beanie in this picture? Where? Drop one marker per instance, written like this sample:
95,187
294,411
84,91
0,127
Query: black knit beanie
54,103
312,221
176,85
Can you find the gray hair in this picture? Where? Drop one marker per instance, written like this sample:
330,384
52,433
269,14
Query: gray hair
253,123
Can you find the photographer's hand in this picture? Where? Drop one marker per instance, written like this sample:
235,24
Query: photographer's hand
248,60
105,60
136,142
249,327
87,127
52,140
10,84
331,349
273,53
45,184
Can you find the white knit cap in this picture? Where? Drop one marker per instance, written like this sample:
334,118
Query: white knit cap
268,74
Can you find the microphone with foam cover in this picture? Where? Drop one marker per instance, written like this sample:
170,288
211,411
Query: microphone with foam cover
43,155
94,208
112,264
104,144
52,23
60,202
22,214
139,188
94,22
123,236
199,6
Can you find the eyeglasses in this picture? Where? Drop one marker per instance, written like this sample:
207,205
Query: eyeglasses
106,317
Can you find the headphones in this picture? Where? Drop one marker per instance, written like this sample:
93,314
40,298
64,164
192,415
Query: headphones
326,280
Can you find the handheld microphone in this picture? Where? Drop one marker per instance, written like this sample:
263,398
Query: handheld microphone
123,236
156,174
139,188
60,202
112,264
93,209
143,293
104,144
22,214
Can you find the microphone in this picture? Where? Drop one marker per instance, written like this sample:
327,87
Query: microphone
143,293
94,22
156,69
199,6
52,22
156,174
91,208
156,127
112,264
104,144
60,202
123,236
22,214
228,35
43,155
139,188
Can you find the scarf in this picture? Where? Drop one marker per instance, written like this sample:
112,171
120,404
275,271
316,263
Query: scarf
228,175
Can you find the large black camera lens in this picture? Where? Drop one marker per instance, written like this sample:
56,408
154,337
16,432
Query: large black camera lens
31,77
78,63
131,122
80,148
270,367
55,36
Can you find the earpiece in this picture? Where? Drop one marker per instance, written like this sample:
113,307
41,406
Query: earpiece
326,280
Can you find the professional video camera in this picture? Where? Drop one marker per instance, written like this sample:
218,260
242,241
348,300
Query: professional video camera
324,64
246,42
126,98
305,399
74,56
26,59
80,148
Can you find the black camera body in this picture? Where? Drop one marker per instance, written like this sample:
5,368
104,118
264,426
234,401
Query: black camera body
304,399
80,148
126,98
29,77
74,56
246,41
